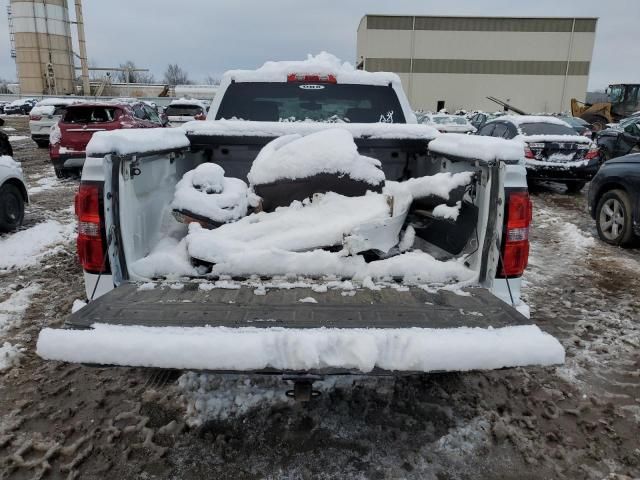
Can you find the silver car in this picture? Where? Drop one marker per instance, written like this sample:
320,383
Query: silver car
45,115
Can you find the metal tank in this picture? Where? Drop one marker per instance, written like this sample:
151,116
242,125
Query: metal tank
43,48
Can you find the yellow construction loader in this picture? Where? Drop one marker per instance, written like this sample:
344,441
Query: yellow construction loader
623,102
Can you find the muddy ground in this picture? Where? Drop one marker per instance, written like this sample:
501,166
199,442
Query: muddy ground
578,421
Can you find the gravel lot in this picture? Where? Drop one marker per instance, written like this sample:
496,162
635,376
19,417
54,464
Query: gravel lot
578,421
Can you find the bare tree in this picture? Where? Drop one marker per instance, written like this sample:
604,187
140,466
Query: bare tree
145,77
174,75
211,80
127,75
4,85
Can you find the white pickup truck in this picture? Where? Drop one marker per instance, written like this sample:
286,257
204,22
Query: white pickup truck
421,273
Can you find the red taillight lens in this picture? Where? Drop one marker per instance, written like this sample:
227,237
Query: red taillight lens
515,241
592,153
528,153
35,117
91,246
297,77
200,116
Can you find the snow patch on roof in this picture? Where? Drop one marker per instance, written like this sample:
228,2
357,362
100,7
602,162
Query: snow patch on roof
136,140
59,101
488,149
321,64
520,119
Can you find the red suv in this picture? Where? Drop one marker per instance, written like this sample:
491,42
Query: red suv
69,138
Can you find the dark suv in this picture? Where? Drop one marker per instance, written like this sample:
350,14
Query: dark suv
69,138
614,200
552,149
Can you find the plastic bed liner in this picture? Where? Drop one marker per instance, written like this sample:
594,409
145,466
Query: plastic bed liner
235,330
386,308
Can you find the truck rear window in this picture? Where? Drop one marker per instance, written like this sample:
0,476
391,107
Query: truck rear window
546,129
90,115
318,102
183,110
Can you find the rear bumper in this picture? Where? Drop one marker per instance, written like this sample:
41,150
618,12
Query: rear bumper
68,162
572,171
316,350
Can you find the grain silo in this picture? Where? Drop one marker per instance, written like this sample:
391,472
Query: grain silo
43,48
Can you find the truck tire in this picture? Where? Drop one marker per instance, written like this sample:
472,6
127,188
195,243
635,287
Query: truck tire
42,143
11,208
597,121
614,218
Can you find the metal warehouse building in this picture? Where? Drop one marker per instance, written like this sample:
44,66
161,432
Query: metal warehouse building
536,64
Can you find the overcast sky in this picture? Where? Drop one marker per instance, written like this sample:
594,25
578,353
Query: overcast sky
208,37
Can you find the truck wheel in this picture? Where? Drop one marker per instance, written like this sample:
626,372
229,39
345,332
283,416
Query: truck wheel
60,173
598,122
42,143
575,187
613,218
11,208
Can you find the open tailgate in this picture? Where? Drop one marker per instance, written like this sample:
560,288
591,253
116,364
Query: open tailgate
373,331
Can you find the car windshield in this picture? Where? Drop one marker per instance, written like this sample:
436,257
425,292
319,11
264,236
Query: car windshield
90,115
284,102
183,110
542,128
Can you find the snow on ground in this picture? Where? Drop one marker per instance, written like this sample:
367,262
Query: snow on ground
576,236
9,355
12,309
291,349
18,138
26,248
44,183
8,129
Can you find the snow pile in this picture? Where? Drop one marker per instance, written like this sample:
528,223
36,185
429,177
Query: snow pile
328,151
222,348
322,64
446,212
26,248
13,308
242,128
18,138
321,222
576,236
488,149
439,184
168,258
206,191
136,140
9,356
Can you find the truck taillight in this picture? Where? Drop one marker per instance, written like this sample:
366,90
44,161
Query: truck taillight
298,77
91,243
592,153
200,116
515,239
35,118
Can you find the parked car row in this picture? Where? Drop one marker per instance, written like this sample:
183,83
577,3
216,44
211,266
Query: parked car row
21,106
